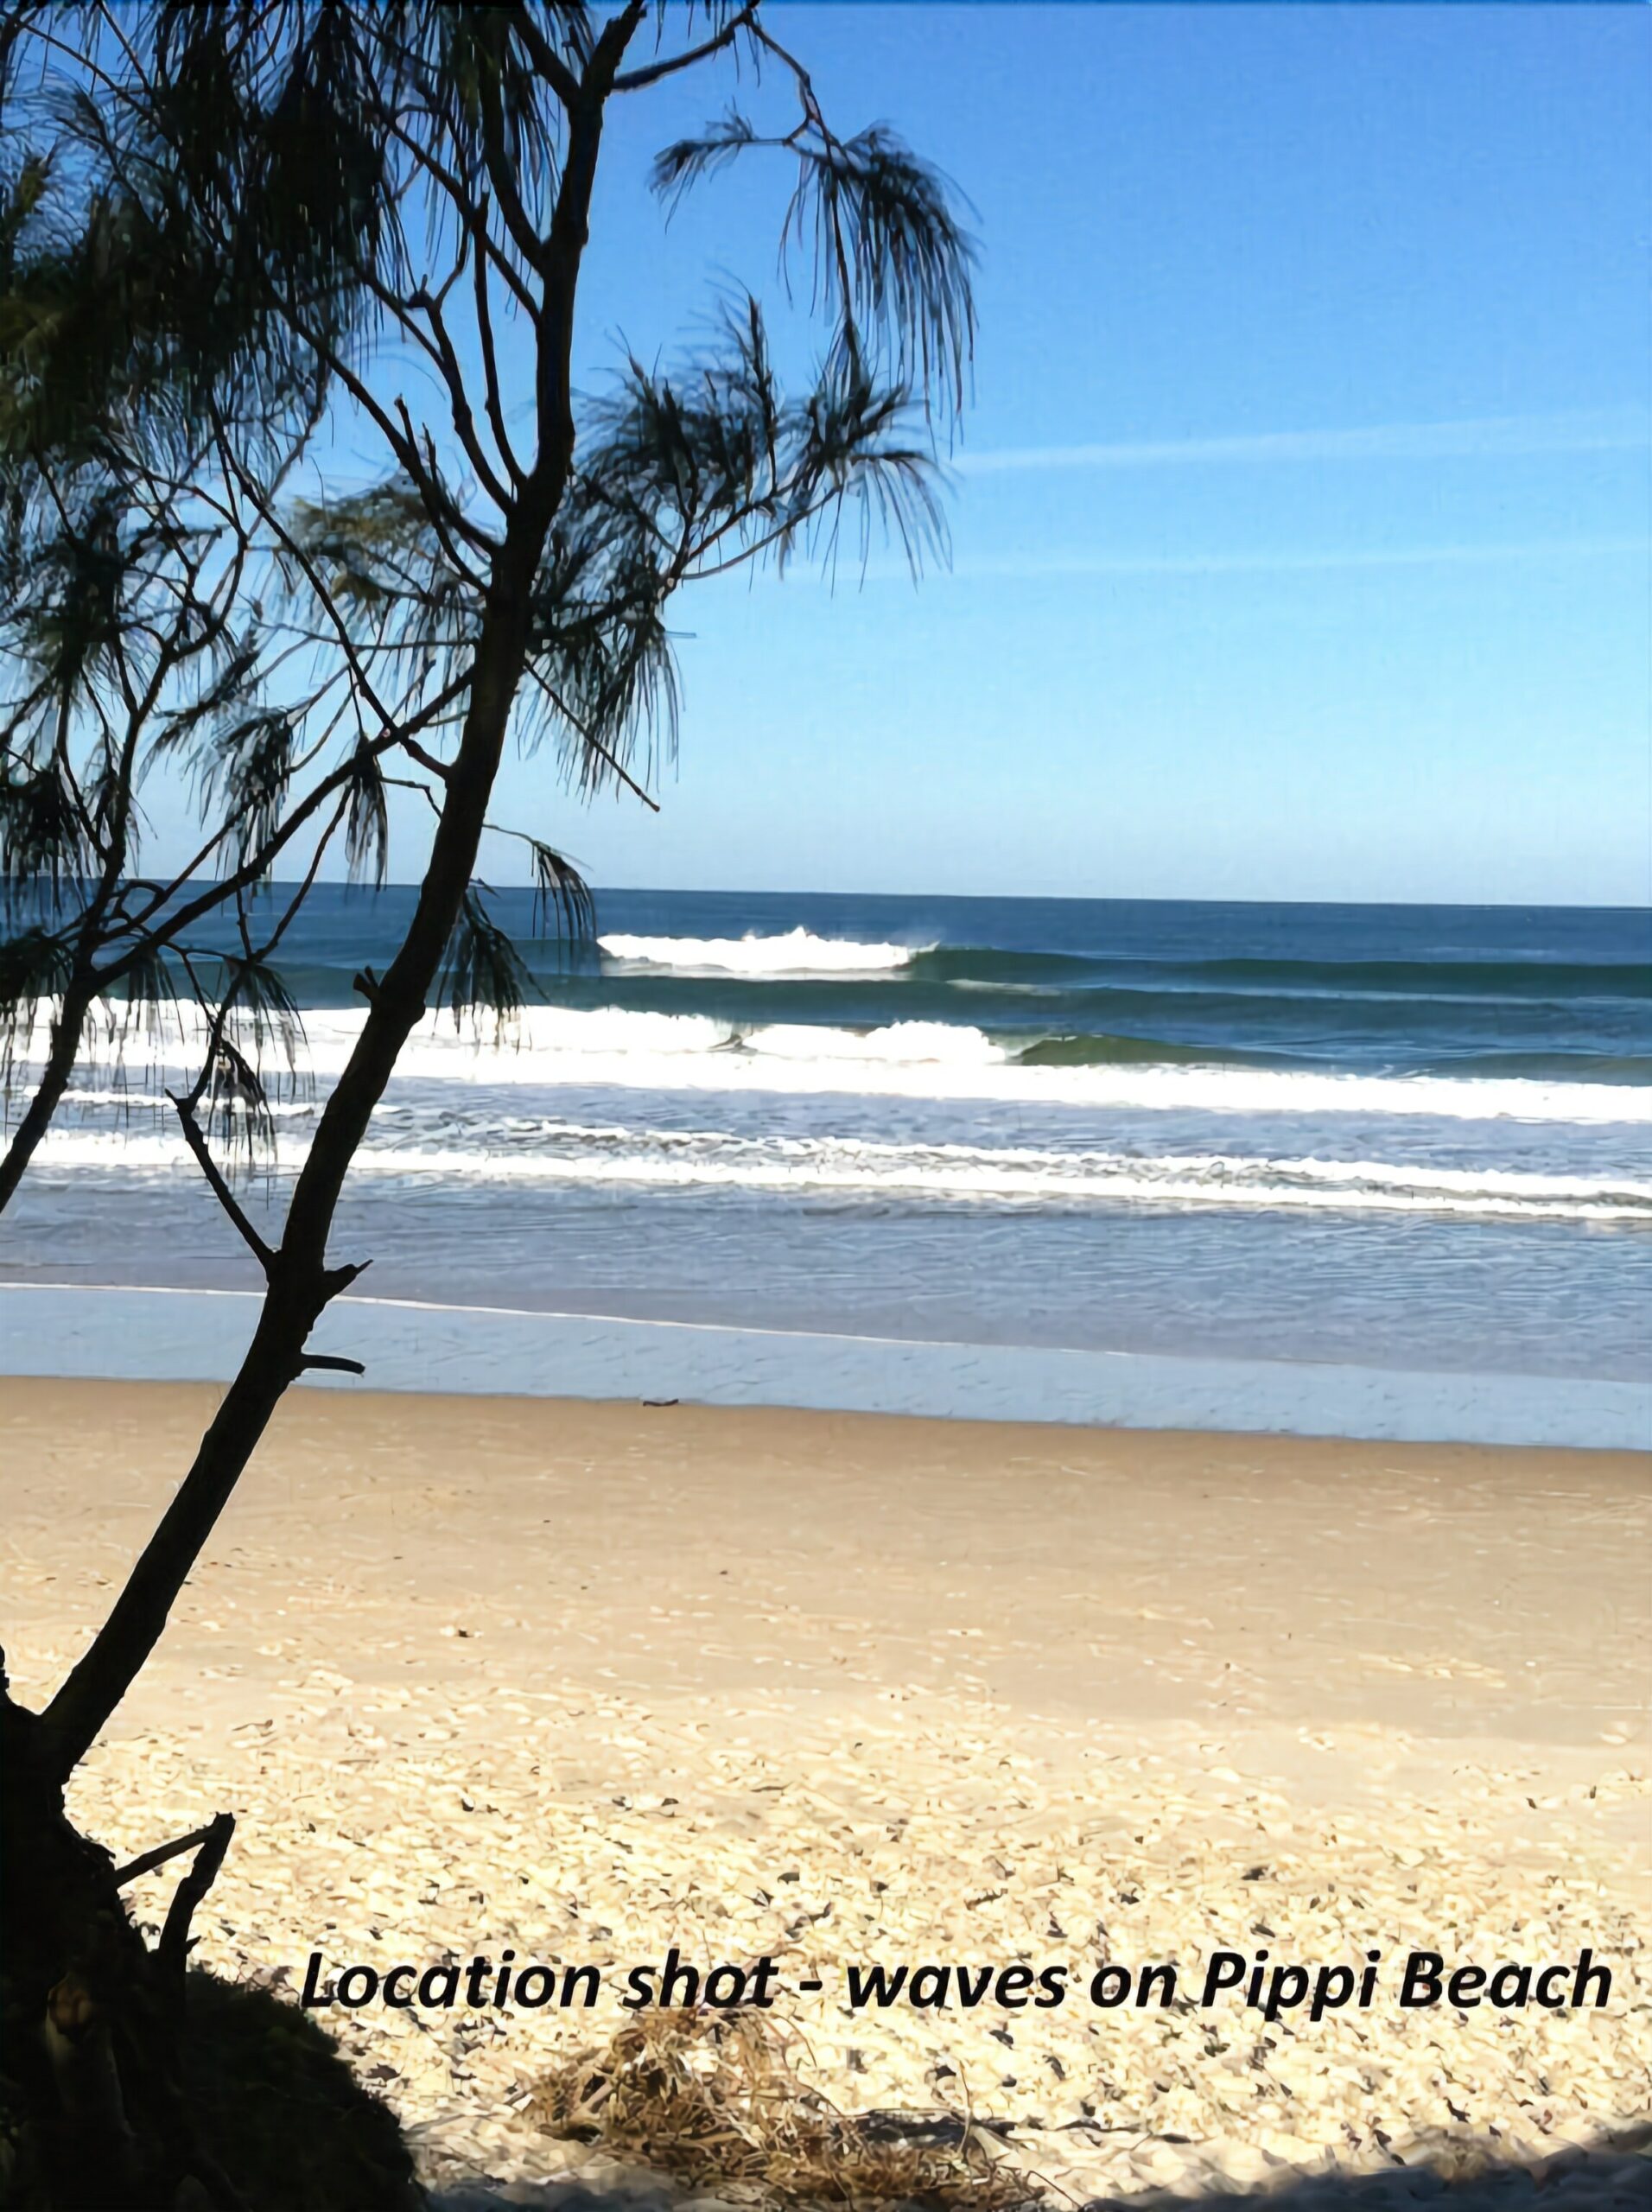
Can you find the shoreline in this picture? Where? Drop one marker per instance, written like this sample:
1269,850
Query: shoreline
141,1334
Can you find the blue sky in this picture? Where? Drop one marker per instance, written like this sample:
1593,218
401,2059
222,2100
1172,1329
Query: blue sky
1300,527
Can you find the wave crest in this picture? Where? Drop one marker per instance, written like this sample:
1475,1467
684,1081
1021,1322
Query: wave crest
797,952
604,1046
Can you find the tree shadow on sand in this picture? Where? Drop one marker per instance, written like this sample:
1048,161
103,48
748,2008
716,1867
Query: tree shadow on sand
707,2107
1615,2176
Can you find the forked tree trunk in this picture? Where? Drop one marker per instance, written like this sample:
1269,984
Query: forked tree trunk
67,1028
300,1283
94,2106
58,1891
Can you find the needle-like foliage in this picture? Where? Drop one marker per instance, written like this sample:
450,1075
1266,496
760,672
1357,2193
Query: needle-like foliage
482,968
285,205
236,242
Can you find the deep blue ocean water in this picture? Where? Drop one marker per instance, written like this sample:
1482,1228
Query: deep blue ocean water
1505,990
1408,1137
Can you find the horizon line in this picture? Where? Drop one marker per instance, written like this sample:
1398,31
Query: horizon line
370,890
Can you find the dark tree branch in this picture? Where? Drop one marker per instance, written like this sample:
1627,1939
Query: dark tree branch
158,1857
650,73
172,1952
263,1253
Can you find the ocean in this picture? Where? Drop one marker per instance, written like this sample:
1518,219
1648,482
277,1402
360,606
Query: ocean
1406,1139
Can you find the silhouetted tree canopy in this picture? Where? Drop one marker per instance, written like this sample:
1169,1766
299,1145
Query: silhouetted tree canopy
235,240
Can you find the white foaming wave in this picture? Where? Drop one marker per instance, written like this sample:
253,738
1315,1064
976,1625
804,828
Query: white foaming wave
140,1098
610,1046
797,952
603,1047
900,1044
547,1153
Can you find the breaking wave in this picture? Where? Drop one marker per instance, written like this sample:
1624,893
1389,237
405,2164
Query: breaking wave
935,1060
630,1049
797,952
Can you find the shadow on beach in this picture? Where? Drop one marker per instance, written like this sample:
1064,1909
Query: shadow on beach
1615,2173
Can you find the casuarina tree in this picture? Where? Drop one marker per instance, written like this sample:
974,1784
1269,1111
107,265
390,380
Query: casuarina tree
374,185
153,403
129,648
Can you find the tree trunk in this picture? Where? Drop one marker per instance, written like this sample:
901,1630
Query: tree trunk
67,1031
300,1283
59,1892
91,2112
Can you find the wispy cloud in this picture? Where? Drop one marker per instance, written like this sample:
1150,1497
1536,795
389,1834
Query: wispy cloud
1485,437
1034,567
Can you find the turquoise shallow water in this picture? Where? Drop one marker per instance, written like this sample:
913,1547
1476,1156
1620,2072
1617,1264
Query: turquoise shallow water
198,1335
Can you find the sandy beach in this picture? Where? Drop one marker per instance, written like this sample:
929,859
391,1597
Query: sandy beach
592,1681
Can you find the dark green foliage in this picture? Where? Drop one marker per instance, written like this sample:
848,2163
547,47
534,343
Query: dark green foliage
259,1021
147,994
887,259
35,969
45,841
483,969
366,828
563,904
154,254
34,964
249,769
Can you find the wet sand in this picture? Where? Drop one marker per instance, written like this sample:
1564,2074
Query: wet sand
591,1680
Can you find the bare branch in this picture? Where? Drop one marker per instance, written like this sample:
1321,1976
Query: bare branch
634,80
158,1857
172,1952
263,1253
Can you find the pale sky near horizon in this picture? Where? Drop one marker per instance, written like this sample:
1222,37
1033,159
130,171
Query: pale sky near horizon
1300,530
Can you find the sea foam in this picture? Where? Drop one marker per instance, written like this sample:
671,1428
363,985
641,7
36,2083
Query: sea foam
524,1150
634,1051
797,952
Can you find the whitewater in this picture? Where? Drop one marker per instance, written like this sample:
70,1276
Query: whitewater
794,952
513,1151
546,1046
1412,1138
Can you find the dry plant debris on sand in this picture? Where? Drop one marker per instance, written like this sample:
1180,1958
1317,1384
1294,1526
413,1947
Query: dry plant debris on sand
589,1683
381,1822
714,2100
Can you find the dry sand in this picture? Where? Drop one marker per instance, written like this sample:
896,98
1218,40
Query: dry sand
590,1680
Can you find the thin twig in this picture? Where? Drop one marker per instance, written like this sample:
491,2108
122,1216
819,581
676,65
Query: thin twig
172,1952
209,1168
159,1857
